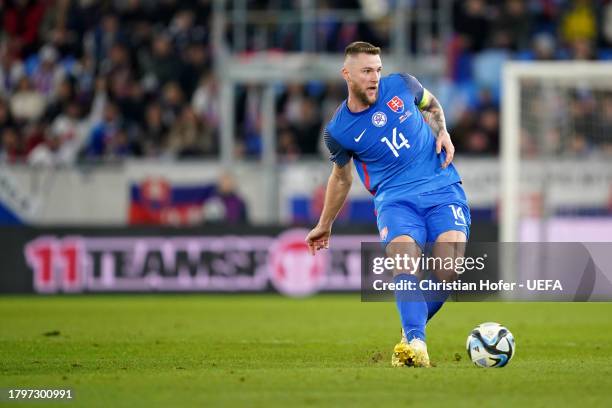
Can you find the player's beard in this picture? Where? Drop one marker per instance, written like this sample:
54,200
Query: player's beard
362,95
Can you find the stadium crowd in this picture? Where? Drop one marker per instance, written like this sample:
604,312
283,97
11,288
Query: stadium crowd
103,80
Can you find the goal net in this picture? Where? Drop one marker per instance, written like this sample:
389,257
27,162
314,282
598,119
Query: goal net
556,157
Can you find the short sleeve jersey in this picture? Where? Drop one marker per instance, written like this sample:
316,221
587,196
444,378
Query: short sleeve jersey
390,142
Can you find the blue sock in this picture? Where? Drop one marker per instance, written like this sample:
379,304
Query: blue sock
434,298
411,307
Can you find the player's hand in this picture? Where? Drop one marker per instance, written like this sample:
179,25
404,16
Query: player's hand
318,239
443,141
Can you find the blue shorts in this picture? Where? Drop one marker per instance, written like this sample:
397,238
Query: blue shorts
424,216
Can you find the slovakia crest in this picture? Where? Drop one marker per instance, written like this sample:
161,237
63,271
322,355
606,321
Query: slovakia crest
396,104
379,119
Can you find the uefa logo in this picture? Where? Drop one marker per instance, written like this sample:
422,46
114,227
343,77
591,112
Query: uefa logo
379,119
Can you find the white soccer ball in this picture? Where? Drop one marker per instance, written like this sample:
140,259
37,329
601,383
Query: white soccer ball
490,345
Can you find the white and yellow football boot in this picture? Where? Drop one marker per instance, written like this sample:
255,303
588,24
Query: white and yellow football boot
402,355
411,354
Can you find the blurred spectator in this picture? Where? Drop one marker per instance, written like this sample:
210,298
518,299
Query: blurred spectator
293,101
184,31
205,100
32,135
302,115
118,62
27,104
489,122
155,131
11,70
121,145
579,22
543,47
21,19
287,145
129,97
100,141
50,152
225,205
63,26
477,142
172,101
461,129
196,63
99,41
47,75
64,96
85,78
163,65
515,23
189,137
581,49
471,23
6,120
11,150
64,139
307,127
235,207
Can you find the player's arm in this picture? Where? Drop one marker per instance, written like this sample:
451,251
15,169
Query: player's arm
434,114
338,187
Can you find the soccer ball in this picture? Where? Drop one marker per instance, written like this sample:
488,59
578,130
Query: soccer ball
490,345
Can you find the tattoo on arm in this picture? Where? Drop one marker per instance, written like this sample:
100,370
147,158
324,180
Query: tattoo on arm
435,115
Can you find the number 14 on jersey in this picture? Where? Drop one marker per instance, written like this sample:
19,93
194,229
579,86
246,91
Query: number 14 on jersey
394,145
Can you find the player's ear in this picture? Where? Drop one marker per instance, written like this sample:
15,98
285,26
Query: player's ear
345,73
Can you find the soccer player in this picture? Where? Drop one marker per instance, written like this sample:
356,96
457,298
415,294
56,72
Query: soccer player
405,162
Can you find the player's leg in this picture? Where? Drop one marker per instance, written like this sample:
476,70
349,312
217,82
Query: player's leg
412,308
449,244
448,227
410,303
403,231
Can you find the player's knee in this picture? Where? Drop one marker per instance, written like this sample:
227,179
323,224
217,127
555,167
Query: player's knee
403,246
452,236
449,245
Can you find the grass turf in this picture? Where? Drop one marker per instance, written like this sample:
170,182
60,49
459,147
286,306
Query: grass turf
270,351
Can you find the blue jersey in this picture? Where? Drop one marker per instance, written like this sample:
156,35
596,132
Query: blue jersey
391,144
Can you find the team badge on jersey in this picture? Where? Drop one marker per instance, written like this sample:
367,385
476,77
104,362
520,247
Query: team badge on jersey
396,104
379,119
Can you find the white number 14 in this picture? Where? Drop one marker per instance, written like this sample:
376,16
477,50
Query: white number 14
396,146
459,215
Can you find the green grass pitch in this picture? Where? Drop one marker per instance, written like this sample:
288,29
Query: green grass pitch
266,350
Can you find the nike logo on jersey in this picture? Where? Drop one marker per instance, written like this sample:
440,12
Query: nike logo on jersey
358,138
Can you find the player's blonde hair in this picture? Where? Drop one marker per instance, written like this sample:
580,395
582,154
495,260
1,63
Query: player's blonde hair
361,47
